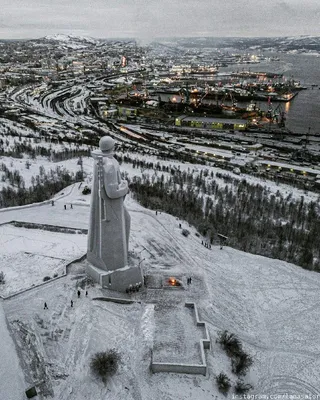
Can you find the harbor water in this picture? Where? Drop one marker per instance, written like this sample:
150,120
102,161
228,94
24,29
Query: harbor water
303,112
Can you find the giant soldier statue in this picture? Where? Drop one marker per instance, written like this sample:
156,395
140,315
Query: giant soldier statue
109,225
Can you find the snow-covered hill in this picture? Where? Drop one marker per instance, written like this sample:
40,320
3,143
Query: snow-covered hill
71,41
303,44
271,305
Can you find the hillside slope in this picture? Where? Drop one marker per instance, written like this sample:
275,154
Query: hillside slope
271,305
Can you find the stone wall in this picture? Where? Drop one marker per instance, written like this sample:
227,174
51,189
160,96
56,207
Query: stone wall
187,368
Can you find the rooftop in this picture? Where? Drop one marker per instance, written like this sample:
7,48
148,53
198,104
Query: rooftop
211,120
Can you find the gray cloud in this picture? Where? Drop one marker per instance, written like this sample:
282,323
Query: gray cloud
153,18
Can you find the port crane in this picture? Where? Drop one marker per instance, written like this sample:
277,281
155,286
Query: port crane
276,115
185,94
199,100
232,99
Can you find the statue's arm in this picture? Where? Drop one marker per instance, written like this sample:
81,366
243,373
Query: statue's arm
113,189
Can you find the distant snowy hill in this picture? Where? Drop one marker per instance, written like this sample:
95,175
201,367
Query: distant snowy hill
302,44
71,41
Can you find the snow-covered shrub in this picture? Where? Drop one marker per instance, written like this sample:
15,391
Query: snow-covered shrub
242,388
105,364
230,343
46,278
241,363
223,383
86,190
185,232
2,278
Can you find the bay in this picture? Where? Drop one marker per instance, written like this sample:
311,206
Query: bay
303,112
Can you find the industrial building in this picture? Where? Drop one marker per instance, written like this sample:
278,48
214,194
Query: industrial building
212,123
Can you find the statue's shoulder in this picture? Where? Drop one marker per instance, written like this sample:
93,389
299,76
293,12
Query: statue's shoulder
96,154
110,165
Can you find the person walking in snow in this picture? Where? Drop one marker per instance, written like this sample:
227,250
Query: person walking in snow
71,303
79,293
86,293
45,306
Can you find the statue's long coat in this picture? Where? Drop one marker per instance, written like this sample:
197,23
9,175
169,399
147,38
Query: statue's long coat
109,226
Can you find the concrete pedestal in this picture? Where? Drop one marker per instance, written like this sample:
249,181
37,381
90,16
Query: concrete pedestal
120,279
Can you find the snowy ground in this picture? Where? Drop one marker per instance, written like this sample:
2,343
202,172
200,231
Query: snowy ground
34,167
271,305
171,343
29,255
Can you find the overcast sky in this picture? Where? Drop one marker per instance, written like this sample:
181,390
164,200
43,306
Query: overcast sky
148,19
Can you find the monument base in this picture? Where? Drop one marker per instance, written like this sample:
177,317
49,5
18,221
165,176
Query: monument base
121,280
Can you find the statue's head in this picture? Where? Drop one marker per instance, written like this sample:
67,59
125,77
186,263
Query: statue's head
106,144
